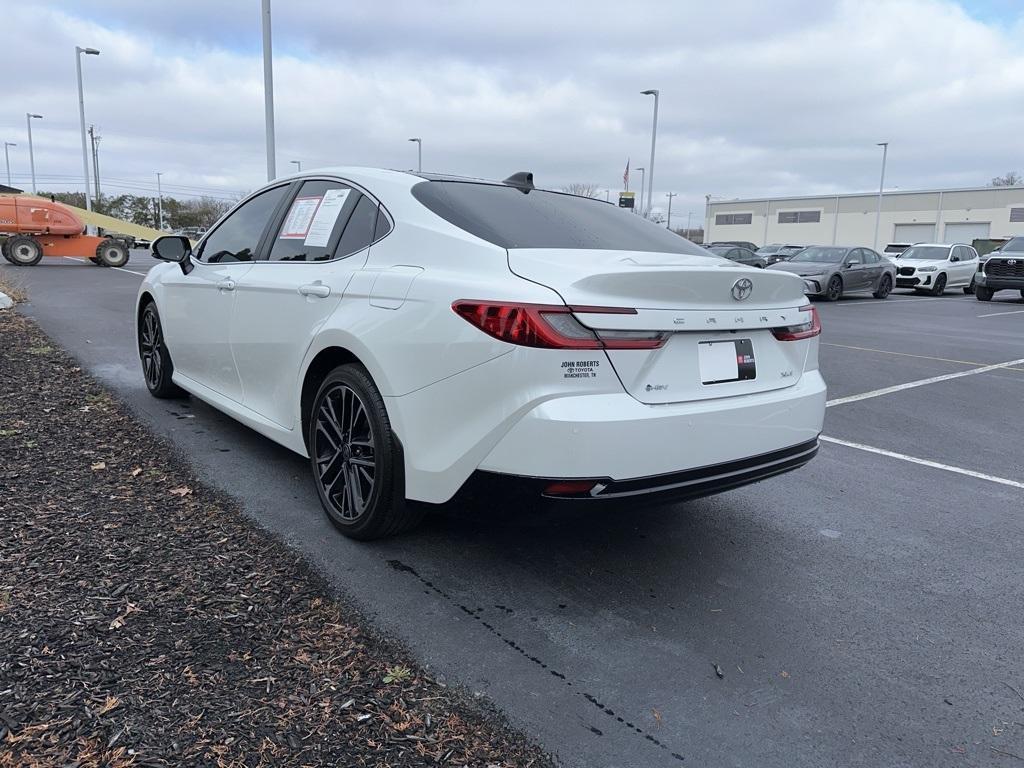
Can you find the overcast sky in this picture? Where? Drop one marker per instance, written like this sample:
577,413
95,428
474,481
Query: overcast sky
757,98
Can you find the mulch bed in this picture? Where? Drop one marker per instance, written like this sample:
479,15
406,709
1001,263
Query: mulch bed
144,621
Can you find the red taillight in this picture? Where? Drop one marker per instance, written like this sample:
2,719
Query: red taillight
550,326
804,330
569,488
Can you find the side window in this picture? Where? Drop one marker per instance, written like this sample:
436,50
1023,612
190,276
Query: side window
383,225
359,230
238,236
870,257
855,256
314,221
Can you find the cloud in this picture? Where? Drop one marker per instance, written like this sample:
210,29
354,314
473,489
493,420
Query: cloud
756,98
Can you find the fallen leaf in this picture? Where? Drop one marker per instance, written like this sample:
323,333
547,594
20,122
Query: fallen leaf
137,471
120,620
183,491
784,673
99,465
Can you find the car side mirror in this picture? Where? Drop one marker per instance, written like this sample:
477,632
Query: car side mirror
174,248
954,258
849,264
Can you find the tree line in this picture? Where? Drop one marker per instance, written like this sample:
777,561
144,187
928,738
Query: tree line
143,210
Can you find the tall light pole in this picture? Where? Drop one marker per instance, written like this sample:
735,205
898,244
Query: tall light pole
881,184
29,117
7,160
689,217
419,155
670,195
268,92
159,202
81,118
654,137
297,164
641,210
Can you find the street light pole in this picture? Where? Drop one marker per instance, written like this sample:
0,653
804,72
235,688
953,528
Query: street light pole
7,160
670,195
419,155
268,92
159,202
297,164
81,118
654,137
29,117
641,209
881,184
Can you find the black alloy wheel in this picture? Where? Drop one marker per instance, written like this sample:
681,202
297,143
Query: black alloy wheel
356,459
834,289
157,367
884,287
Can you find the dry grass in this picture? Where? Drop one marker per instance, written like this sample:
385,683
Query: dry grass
14,287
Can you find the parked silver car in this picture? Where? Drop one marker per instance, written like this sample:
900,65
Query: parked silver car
829,271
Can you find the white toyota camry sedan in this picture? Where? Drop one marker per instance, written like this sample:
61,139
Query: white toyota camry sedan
416,335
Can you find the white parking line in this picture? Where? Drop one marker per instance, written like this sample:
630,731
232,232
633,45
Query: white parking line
119,269
922,382
923,462
876,303
997,314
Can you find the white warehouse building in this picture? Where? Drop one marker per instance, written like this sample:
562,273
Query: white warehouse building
939,215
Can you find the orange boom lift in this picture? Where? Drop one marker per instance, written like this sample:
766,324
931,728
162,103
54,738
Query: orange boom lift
37,227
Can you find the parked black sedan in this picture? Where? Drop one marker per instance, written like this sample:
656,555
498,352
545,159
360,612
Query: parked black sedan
741,255
829,271
776,252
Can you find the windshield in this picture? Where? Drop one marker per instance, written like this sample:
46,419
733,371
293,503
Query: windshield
1014,244
507,217
788,250
930,252
820,254
767,250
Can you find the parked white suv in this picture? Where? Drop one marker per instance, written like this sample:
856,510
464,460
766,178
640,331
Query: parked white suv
409,333
934,267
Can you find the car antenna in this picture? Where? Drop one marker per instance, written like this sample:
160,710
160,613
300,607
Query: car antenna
521,180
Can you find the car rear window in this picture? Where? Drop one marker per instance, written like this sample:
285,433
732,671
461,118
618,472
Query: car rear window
510,218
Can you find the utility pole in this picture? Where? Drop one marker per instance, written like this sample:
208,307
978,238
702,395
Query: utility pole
654,137
268,92
881,185
641,209
81,120
670,195
7,159
94,140
29,117
689,216
160,202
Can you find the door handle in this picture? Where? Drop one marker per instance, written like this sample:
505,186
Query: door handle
226,285
319,290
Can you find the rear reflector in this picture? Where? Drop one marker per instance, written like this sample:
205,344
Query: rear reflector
803,331
569,488
552,326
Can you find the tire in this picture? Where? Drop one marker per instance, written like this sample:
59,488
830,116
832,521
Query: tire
1022,293
3,250
24,251
884,287
157,367
834,289
940,286
111,253
969,289
983,294
365,459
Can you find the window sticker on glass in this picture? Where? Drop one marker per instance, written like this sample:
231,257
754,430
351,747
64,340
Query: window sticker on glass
325,217
296,224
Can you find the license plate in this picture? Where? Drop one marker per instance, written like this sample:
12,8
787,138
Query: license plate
722,361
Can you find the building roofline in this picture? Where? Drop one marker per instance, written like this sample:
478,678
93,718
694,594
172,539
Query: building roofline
885,193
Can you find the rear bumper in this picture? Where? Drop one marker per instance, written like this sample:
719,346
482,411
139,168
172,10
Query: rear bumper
675,486
633,446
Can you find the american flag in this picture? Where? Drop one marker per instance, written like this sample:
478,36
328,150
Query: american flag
625,176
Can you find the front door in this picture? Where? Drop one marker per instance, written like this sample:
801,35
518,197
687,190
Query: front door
320,241
198,307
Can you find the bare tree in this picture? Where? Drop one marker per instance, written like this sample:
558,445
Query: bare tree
1008,179
582,188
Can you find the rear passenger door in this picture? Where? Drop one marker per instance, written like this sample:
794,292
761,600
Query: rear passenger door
873,267
319,240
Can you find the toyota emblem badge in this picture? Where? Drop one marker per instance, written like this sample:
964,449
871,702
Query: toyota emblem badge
742,289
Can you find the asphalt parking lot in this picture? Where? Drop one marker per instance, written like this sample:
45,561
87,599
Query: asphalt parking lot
866,610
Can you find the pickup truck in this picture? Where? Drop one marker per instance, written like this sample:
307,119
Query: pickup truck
1002,270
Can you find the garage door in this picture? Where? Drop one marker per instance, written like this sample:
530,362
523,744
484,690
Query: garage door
914,233
966,231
